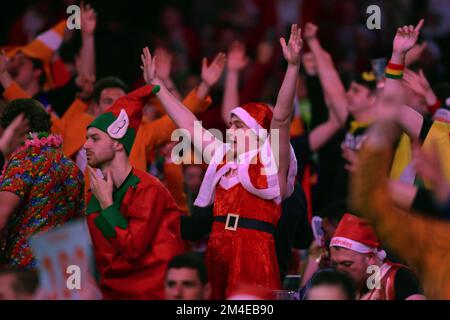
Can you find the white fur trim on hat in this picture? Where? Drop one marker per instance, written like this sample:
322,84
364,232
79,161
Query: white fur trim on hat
119,127
250,122
356,246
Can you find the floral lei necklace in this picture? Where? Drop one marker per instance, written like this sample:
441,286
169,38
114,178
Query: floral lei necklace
38,140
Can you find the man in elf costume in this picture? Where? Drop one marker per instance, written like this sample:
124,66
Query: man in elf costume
246,190
132,218
355,250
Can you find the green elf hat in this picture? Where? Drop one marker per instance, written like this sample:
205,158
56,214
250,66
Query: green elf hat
121,121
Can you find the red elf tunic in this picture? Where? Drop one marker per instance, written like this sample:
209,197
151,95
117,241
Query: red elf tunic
134,238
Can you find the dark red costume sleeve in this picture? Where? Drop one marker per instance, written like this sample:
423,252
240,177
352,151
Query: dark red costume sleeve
131,238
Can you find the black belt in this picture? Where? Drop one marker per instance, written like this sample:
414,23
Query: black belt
233,221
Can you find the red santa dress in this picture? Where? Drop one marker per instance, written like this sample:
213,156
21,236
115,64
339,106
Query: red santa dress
247,207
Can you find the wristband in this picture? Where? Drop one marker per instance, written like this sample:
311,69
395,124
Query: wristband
394,71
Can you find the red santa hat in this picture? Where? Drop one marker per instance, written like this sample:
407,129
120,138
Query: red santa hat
257,116
356,234
121,121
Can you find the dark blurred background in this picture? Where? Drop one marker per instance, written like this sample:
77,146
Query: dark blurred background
192,29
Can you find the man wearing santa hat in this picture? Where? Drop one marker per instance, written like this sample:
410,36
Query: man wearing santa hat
246,190
132,218
355,250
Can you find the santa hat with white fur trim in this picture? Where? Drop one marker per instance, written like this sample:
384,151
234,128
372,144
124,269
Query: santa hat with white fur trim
356,234
257,116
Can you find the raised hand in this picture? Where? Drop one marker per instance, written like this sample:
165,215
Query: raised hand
88,19
310,31
406,38
86,84
291,50
148,66
14,135
413,81
211,73
164,64
3,61
415,53
419,84
236,59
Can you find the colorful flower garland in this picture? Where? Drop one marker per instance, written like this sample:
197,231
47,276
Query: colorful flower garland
38,140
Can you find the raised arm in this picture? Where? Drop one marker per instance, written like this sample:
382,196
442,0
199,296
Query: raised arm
5,77
323,132
371,197
284,106
11,89
13,136
328,75
418,83
184,118
405,39
236,61
164,68
87,51
211,74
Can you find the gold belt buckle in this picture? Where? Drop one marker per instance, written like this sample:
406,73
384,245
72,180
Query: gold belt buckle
233,228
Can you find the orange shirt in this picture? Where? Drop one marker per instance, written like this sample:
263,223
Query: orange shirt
72,127
423,242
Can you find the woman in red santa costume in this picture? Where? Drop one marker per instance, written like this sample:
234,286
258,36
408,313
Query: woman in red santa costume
246,179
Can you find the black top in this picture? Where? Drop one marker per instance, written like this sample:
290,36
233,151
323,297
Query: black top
426,126
330,154
425,203
406,284
302,151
